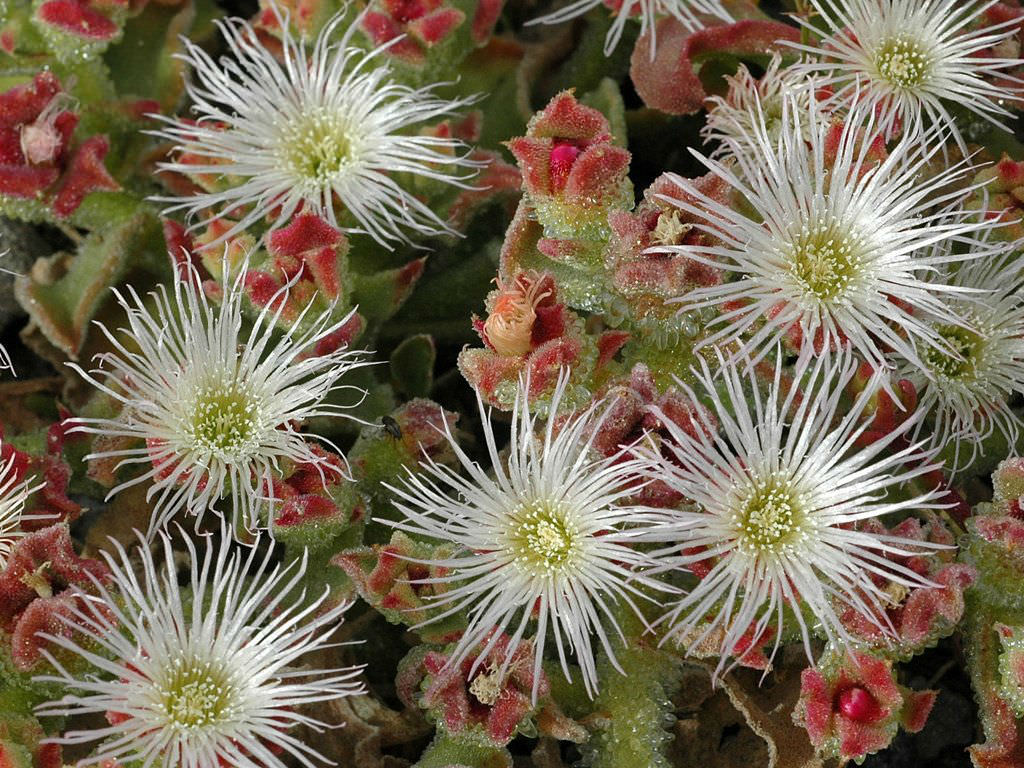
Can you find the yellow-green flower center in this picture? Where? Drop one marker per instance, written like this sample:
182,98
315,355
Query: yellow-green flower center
903,62
224,417
317,148
543,538
769,518
825,260
772,108
196,695
967,344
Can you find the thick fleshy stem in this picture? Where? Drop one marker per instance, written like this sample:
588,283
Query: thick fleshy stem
445,752
632,710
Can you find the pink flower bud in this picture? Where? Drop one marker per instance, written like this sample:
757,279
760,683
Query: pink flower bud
858,705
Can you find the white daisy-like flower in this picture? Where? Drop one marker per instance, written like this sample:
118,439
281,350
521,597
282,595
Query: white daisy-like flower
911,60
686,12
14,494
546,540
215,402
836,244
203,674
731,118
778,488
326,133
967,393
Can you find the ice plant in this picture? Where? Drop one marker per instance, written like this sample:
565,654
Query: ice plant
778,493
912,60
852,705
547,537
967,388
216,406
45,172
322,132
732,118
14,493
201,674
509,327
686,12
835,233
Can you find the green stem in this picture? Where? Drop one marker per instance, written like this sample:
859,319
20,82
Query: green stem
632,710
444,751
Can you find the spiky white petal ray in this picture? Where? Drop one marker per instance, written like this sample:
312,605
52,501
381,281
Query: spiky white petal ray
240,621
312,134
732,118
909,60
798,443
686,12
495,578
217,407
14,495
824,205
968,397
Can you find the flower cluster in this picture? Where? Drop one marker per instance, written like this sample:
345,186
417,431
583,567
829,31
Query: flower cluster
750,343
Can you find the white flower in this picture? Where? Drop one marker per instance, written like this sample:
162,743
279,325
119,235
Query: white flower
216,405
547,537
313,133
912,60
14,494
732,118
209,673
833,238
968,393
648,11
778,490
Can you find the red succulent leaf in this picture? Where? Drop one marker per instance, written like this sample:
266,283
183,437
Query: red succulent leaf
567,152
482,693
486,16
26,182
85,174
308,508
423,423
1008,487
668,81
43,563
49,615
50,503
394,579
78,18
547,362
498,181
608,345
434,27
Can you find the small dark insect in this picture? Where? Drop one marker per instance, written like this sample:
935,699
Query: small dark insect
391,427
